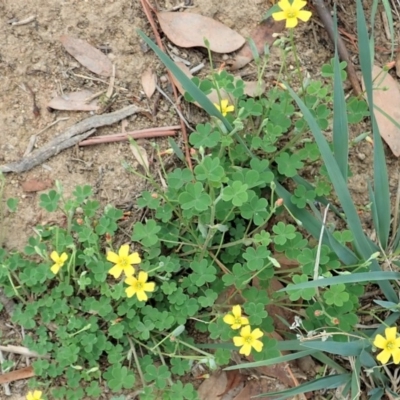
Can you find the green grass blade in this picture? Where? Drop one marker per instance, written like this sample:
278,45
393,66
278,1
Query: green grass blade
272,361
377,276
355,380
328,382
340,124
388,11
362,244
381,181
342,349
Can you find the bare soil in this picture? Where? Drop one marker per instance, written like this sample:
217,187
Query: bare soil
32,54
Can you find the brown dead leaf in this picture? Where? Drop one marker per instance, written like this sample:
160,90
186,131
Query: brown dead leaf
221,385
36,185
261,35
140,154
90,57
190,30
149,82
387,100
23,373
76,101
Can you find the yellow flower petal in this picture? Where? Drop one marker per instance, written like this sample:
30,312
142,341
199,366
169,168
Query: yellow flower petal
279,16
229,319
246,349
391,333
64,257
134,258
383,356
124,250
55,268
113,257
54,256
130,280
257,333
299,4
291,22
115,271
230,109
130,291
257,345
396,356
380,342
149,287
238,341
141,295
236,311
245,331
142,277
284,4
129,270
304,15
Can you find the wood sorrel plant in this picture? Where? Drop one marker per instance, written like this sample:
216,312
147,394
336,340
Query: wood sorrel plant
126,314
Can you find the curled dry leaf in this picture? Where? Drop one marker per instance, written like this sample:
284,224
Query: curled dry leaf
190,30
36,185
90,57
388,101
76,101
251,88
149,80
140,154
262,35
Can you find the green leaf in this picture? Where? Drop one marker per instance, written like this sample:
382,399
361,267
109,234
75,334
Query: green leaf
12,204
210,170
204,136
204,272
236,192
159,375
146,233
119,377
194,197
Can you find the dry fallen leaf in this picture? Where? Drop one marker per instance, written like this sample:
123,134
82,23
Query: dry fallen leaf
388,101
90,57
36,185
76,101
23,373
140,154
190,30
149,80
261,35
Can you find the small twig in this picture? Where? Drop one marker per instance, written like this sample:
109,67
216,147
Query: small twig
30,146
326,18
35,108
52,124
23,21
175,107
141,134
24,351
70,137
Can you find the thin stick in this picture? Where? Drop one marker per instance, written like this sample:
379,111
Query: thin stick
119,137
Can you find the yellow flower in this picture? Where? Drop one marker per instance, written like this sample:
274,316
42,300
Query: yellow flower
225,108
59,261
291,12
248,340
35,395
235,320
390,345
139,286
123,261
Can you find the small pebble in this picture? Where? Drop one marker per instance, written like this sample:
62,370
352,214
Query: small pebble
361,156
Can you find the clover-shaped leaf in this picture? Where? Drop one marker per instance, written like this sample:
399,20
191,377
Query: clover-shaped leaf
194,197
119,377
146,233
236,192
336,295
